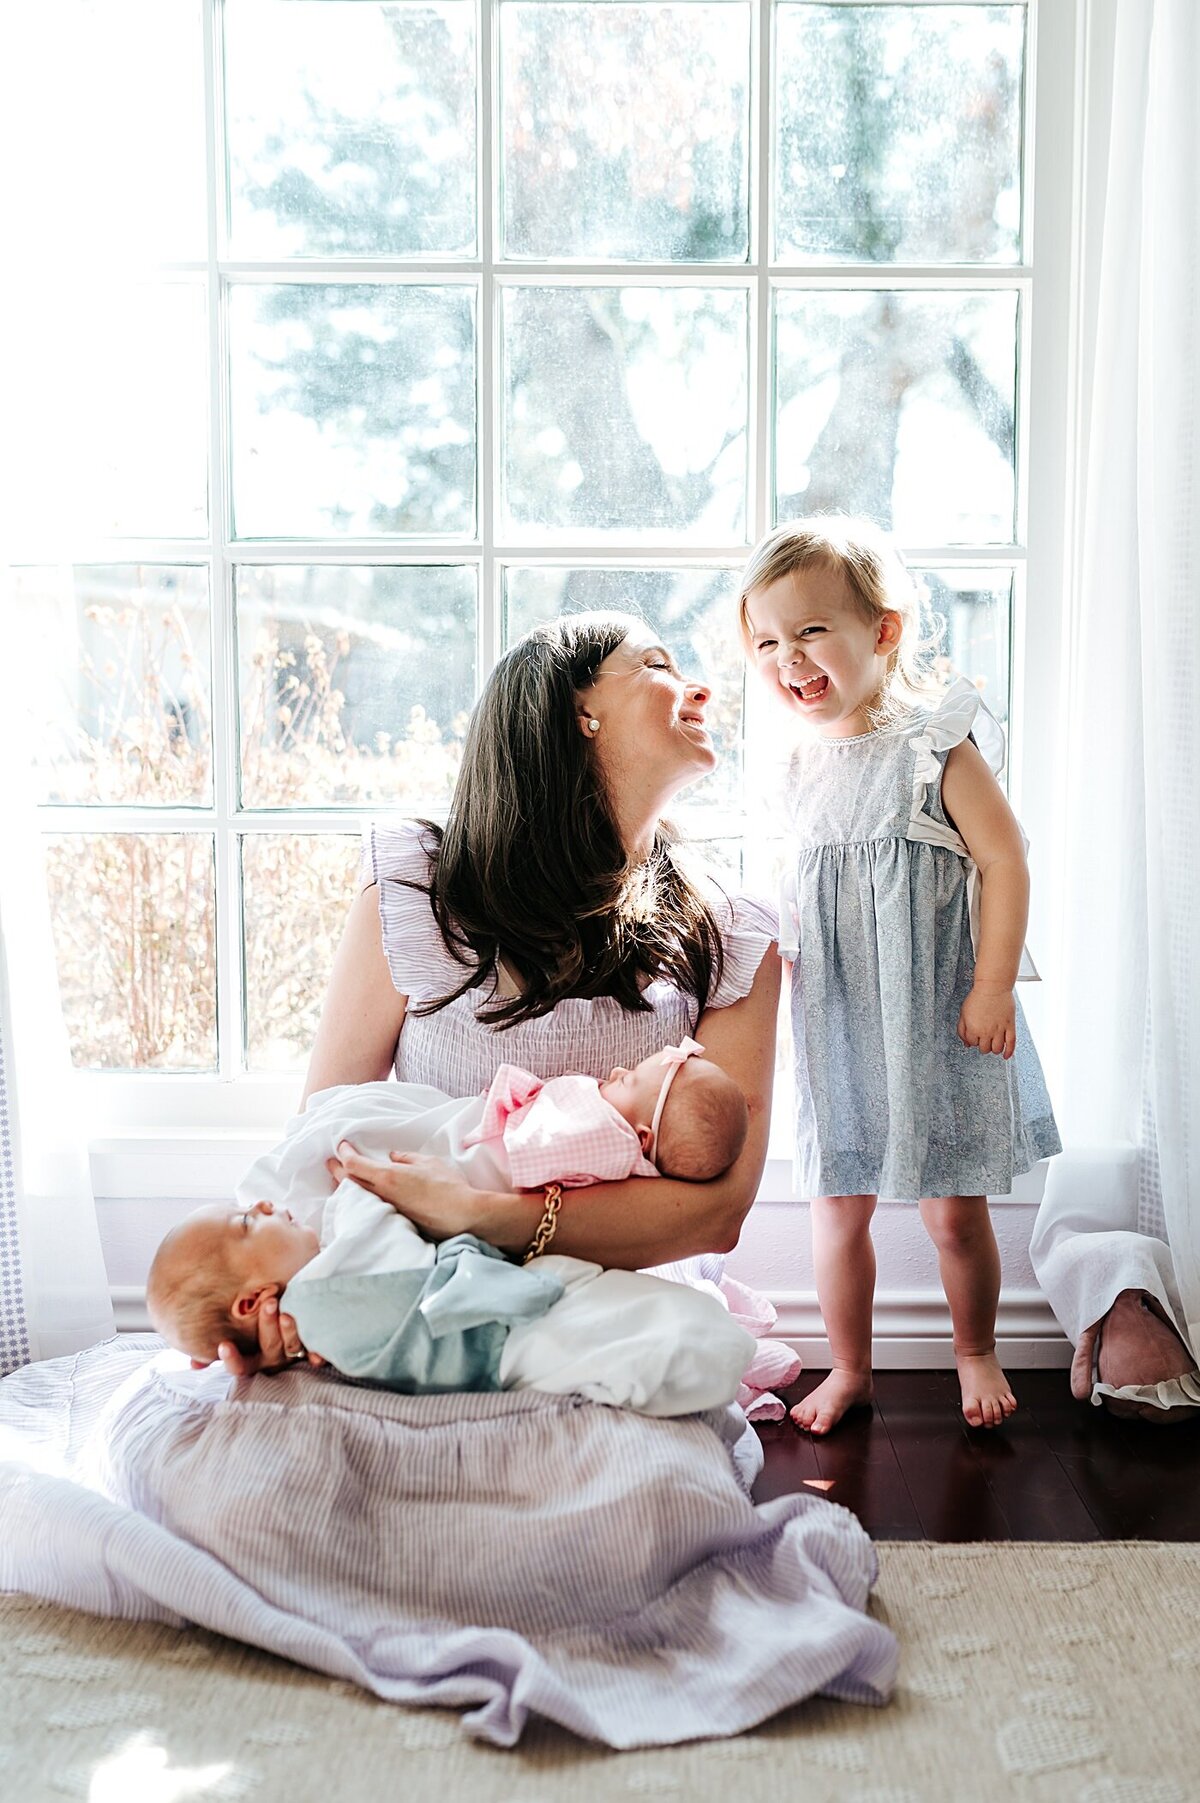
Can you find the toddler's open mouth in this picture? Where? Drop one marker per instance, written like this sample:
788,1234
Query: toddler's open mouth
811,689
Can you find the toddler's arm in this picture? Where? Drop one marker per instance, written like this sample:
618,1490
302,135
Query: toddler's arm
976,805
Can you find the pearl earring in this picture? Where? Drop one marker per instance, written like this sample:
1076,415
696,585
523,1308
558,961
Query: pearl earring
593,726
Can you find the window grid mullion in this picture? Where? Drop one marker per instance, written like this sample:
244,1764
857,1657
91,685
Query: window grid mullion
1027,136
760,187
487,348
230,972
1027,154
462,272
401,553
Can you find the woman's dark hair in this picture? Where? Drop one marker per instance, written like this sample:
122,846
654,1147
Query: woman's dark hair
530,865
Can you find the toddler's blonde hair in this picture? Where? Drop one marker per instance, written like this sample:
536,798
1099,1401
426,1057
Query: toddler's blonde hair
878,581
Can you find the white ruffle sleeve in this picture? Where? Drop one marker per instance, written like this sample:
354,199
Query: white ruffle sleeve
396,855
748,928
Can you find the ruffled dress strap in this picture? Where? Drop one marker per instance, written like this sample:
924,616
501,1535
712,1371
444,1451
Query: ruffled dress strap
748,926
395,855
962,713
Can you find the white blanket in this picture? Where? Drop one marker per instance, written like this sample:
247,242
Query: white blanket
377,1118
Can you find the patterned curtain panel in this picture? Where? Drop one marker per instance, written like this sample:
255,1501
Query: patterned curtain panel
14,1334
1122,1208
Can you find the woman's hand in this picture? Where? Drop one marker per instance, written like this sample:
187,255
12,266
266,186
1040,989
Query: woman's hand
278,1345
431,1194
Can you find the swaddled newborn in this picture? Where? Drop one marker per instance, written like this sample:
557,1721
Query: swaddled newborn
672,1115
380,1303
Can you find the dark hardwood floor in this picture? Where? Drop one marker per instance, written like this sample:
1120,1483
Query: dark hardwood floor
911,1469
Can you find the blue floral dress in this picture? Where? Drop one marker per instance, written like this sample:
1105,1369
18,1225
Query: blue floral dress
880,916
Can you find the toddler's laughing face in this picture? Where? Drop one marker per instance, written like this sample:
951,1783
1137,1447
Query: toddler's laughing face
816,648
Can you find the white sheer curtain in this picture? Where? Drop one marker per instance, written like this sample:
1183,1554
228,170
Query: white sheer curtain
1122,1208
53,1288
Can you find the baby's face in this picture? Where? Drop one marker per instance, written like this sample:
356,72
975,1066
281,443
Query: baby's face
634,1093
260,1245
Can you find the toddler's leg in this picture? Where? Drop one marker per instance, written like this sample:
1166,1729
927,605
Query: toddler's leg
961,1229
844,1265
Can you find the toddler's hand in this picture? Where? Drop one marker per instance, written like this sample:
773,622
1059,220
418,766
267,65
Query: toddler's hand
989,1019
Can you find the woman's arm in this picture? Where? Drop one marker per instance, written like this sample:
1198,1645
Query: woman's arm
362,1014
977,806
642,1221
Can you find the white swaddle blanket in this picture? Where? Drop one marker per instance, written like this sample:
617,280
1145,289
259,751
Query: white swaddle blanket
377,1118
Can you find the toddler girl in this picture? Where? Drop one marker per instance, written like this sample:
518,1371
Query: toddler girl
915,1076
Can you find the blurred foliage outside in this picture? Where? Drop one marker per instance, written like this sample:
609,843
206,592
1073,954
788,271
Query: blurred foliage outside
135,934
135,913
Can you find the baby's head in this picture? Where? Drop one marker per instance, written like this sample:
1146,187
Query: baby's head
835,625
212,1274
690,1117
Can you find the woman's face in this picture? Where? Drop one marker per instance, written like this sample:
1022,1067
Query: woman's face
651,717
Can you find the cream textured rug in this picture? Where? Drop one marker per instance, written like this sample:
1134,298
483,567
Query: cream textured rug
1028,1671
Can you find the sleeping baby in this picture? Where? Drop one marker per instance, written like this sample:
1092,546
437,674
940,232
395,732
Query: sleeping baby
382,1304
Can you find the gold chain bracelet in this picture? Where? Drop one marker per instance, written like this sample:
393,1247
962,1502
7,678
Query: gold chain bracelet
548,1225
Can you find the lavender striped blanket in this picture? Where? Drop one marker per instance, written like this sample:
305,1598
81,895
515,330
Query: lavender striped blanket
502,1554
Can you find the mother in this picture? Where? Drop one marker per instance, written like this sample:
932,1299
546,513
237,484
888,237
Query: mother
553,924
511,1553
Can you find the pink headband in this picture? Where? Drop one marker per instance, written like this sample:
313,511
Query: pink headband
674,1057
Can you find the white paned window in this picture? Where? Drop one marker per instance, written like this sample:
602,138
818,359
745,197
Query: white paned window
358,338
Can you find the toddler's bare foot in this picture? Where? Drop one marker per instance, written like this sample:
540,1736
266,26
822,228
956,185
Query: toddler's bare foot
824,1407
986,1397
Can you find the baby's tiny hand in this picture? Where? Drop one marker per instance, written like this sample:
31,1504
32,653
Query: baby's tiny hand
989,1019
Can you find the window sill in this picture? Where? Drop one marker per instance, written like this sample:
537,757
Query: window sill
119,1108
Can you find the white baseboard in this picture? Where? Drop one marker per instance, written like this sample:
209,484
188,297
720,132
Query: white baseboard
912,1328
918,1315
